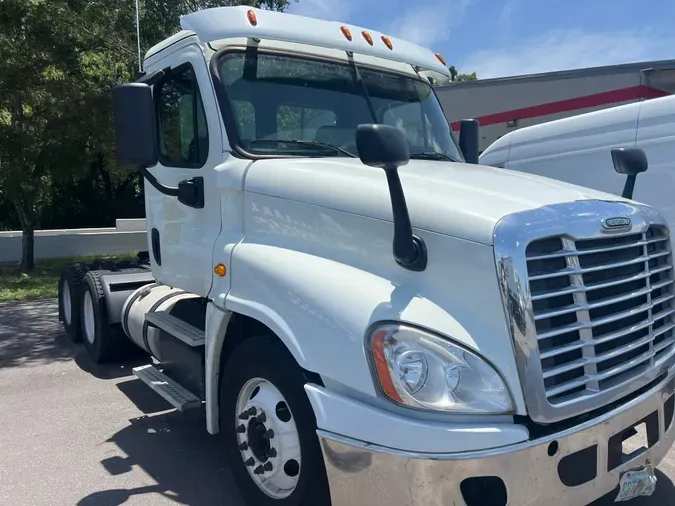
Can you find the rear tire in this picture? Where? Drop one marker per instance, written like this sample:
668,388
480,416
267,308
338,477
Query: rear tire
104,342
262,373
70,292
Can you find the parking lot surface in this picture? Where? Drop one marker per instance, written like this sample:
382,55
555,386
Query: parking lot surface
73,433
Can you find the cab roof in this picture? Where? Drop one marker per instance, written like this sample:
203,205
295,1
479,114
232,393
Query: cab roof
220,23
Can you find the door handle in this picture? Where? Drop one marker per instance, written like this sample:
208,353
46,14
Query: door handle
191,192
156,247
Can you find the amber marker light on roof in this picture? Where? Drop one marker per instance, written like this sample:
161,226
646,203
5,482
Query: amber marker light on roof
441,59
345,31
220,270
252,18
387,42
368,38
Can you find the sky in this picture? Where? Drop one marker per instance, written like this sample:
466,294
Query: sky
498,38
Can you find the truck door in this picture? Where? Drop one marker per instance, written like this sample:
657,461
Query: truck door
181,236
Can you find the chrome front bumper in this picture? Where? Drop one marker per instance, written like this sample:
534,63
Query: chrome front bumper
361,474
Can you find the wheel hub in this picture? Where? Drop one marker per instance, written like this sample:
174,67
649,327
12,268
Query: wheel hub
257,442
268,438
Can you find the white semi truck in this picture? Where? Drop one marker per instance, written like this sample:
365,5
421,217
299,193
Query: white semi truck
366,318
577,150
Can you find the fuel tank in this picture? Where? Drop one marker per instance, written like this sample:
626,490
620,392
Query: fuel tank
149,299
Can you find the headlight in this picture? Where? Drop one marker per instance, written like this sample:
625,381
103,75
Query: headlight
421,370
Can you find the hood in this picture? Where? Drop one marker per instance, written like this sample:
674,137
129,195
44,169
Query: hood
460,200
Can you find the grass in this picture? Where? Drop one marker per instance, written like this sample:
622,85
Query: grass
43,281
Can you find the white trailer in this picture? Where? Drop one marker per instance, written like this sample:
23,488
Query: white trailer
577,150
506,104
365,318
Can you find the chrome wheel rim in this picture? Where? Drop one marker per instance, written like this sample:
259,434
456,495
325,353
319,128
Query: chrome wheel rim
66,302
268,438
89,318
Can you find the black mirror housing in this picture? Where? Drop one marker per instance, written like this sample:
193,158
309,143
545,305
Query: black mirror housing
469,140
135,127
382,146
386,147
629,161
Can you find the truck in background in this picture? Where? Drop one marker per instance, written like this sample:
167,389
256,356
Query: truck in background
577,150
503,105
365,318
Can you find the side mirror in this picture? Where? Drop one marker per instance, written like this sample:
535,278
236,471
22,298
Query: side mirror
382,146
386,147
629,162
469,140
135,127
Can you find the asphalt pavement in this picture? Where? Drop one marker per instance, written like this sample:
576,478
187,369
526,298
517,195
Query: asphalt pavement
74,433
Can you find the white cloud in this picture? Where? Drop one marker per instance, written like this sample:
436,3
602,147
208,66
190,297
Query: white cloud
330,10
430,24
569,49
505,19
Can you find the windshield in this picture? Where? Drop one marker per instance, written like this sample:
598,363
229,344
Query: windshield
292,106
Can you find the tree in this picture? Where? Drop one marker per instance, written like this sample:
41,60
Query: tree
456,77
39,55
59,60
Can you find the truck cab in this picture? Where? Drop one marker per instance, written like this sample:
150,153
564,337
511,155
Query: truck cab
364,317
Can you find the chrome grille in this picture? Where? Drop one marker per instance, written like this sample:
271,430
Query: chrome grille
603,310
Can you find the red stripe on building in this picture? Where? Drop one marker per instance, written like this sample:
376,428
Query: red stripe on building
608,97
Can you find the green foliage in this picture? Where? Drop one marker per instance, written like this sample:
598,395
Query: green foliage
456,77
43,281
59,60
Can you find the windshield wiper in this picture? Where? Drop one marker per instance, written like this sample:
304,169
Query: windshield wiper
305,143
364,88
431,155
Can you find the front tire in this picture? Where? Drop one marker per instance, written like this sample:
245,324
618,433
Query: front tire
269,427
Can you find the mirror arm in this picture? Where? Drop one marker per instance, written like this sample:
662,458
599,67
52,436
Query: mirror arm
386,147
629,187
162,188
410,251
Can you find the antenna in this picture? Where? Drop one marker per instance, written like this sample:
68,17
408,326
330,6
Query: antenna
138,38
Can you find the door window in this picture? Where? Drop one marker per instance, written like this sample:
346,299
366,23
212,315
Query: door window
183,134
